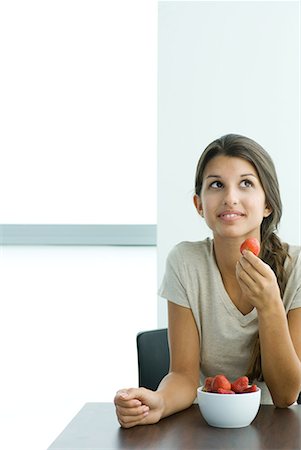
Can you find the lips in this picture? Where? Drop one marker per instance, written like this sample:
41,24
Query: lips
229,214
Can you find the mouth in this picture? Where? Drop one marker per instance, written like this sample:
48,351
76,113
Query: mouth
231,215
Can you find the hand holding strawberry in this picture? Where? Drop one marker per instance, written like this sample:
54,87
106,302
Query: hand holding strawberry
257,280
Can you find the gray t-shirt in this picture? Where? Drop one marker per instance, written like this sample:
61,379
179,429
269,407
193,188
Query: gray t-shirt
193,280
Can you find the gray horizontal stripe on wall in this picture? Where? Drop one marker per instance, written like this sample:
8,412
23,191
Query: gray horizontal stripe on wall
142,235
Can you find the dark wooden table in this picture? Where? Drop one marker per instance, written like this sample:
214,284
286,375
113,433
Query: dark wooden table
96,427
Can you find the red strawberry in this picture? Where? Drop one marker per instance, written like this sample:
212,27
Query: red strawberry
207,384
240,384
252,388
251,244
220,381
225,391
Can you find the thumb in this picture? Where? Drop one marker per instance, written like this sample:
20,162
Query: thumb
139,393
133,393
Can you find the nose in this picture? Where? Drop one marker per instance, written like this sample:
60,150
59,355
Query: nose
230,197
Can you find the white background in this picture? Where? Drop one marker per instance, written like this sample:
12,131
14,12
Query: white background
77,145
78,111
68,325
78,87
225,67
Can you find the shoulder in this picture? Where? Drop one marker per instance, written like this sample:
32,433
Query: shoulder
294,252
293,268
188,251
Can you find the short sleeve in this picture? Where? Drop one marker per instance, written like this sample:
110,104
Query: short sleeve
174,281
297,301
293,289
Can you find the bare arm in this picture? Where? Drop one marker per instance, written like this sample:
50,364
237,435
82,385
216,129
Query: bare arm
279,336
177,390
184,376
280,346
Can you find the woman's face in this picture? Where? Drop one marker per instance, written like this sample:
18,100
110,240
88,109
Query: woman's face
232,199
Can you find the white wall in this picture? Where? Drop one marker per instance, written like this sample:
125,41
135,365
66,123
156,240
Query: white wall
224,67
78,111
68,325
77,146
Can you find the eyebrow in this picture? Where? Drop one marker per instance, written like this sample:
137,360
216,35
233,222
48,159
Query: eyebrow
243,175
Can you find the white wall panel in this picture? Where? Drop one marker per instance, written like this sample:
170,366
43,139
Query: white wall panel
225,67
78,111
68,325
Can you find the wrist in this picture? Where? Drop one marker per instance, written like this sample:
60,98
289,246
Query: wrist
161,404
273,308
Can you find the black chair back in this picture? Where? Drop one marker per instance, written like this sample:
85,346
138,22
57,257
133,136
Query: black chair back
153,357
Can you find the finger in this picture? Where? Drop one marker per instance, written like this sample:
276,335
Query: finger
135,411
134,403
254,261
248,269
125,398
131,421
243,276
141,394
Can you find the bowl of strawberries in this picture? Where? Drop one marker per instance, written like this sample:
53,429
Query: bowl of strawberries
227,404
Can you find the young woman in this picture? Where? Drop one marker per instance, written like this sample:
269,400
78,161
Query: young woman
229,313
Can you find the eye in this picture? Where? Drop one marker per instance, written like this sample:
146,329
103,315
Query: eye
216,184
246,183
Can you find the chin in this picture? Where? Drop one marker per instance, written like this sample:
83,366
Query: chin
236,234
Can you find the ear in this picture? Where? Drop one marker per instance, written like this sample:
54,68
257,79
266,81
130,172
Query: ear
198,205
267,211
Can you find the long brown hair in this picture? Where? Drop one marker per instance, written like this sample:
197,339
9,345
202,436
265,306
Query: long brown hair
273,251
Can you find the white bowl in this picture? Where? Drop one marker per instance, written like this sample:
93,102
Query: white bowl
229,410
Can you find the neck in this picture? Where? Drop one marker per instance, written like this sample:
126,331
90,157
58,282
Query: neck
227,254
